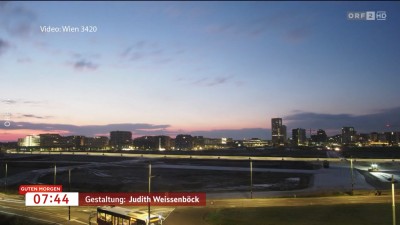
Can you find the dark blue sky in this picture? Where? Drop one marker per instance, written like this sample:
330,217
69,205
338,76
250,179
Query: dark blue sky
211,68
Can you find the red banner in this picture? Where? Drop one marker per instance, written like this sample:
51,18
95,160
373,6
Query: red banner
23,189
143,199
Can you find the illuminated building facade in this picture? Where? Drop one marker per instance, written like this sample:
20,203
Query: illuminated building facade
348,135
29,141
299,137
278,131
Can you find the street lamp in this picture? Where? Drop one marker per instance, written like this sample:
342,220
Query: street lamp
352,176
5,179
393,202
148,203
55,173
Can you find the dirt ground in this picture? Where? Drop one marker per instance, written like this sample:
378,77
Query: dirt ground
119,174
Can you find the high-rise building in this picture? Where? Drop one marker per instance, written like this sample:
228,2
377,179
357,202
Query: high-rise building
321,136
278,131
284,133
392,138
299,137
320,139
120,139
183,142
348,135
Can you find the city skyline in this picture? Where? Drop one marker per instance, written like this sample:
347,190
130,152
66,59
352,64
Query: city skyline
123,140
205,68
270,132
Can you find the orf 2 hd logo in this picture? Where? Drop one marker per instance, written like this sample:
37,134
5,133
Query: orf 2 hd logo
367,15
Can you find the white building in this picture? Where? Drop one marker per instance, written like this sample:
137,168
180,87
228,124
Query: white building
29,141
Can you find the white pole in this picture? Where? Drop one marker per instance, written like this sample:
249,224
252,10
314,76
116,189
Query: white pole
55,172
352,176
5,180
69,189
393,202
148,204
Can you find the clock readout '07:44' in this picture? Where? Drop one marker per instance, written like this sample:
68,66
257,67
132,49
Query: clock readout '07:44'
52,199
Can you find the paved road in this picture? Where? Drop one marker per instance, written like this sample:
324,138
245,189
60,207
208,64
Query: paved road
196,216
271,202
14,205
188,216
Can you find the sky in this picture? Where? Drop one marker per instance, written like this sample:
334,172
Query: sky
217,69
